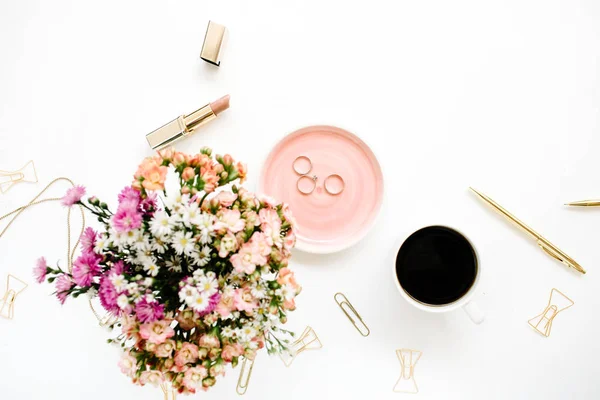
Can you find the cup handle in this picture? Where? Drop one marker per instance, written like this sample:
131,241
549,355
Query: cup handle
474,312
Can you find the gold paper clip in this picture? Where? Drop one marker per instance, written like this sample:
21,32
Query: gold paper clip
307,341
168,391
7,304
408,359
10,178
362,328
244,379
558,302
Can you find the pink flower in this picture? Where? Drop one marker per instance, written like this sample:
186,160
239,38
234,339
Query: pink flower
193,377
286,277
149,311
152,174
271,226
248,257
108,295
88,240
126,219
156,332
209,341
225,306
128,364
242,171
263,248
154,378
85,268
129,194
40,270
289,304
268,201
165,349
73,196
230,220
230,351
188,354
289,241
188,174
63,286
210,179
187,319
226,198
243,300
227,245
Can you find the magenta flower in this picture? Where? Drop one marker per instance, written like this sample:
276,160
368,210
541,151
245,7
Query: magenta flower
85,268
73,196
149,311
40,270
108,295
63,285
149,204
129,194
127,218
88,240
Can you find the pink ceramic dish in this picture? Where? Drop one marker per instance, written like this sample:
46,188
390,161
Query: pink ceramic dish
326,223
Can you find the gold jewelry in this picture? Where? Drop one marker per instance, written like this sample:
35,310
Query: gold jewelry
302,169
312,180
329,185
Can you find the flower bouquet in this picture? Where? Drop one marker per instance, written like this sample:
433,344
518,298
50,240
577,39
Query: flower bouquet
197,278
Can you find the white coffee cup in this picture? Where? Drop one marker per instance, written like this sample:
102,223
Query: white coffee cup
465,302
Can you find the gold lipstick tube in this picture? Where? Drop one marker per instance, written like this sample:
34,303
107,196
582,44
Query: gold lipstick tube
180,127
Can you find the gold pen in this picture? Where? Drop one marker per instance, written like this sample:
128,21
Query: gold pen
584,203
544,244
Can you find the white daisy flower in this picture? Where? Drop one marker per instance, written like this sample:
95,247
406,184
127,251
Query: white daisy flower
209,285
133,289
158,245
148,282
151,268
200,302
247,333
122,301
162,224
183,243
203,256
187,293
175,201
191,214
227,332
259,292
174,265
118,282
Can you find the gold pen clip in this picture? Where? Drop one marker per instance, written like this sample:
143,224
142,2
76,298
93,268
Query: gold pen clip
307,341
348,309
557,256
244,379
7,304
408,360
558,302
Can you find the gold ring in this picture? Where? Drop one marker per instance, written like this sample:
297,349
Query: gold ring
313,179
299,171
331,191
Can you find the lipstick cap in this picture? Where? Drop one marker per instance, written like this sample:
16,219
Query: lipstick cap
213,43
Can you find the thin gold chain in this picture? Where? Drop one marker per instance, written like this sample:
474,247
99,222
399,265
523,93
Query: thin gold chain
35,201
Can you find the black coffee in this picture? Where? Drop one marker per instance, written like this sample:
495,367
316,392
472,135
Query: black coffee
436,265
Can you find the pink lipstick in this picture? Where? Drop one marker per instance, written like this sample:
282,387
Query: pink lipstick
185,125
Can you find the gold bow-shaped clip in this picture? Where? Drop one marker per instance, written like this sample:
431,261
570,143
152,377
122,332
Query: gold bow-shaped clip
9,178
557,302
7,304
408,359
307,341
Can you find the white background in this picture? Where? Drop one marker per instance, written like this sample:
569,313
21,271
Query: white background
503,96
